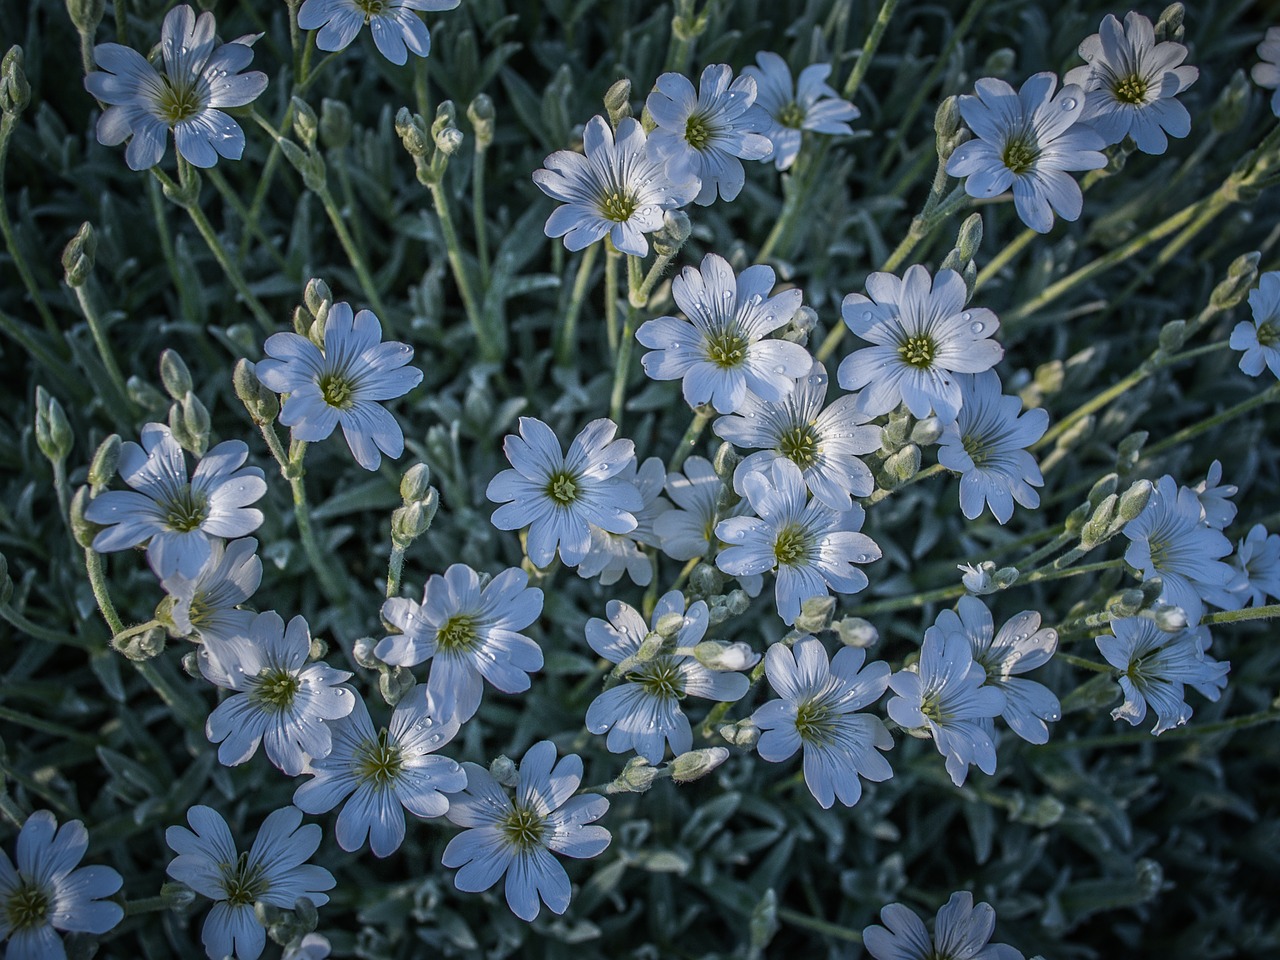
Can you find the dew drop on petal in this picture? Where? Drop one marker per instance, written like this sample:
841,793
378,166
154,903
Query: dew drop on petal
1069,103
977,326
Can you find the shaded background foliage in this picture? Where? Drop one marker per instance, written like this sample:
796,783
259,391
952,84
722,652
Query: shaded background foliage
1158,848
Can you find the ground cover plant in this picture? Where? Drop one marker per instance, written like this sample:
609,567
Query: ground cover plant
590,478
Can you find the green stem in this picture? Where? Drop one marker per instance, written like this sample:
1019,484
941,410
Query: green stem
869,49
1239,616
354,256
148,905
1004,257
480,223
611,259
89,308
101,593
1178,733
233,200
167,248
8,123
1083,664
824,927
395,567
622,368
689,440
1270,395
334,588
566,342
884,494
640,296
492,343
38,632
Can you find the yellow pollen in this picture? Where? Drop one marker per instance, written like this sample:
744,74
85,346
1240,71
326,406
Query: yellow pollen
791,546
380,761
727,348
277,688
523,828
178,101
618,206
1019,155
562,488
186,511
918,351
337,391
697,132
799,444
457,635
1131,89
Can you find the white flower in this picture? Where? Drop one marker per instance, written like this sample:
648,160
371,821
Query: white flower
273,872
807,104
1215,498
703,135
1155,667
280,699
922,335
1172,541
987,445
947,700
613,554
1256,566
643,713
1027,140
615,190
559,496
397,30
1130,83
1267,73
1019,646
687,530
176,517
719,352
468,633
206,606
48,892
313,946
200,79
815,713
517,837
1259,338
812,548
342,384
380,772
962,931
824,444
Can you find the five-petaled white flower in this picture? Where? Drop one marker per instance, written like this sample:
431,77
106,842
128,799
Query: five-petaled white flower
273,872
176,516
380,772
922,335
613,554
987,445
807,103
824,443
280,699
343,383
517,836
811,547
468,633
707,134
558,495
816,712
1259,338
1027,140
962,931
643,713
1131,82
206,606
201,77
1156,667
397,29
616,190
47,892
719,352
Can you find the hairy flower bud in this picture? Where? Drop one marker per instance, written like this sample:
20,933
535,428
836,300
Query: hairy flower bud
636,777
744,733
1229,109
1097,526
856,632
86,14
1169,26
305,123
1005,577
83,530
262,404
481,114
138,647
1133,500
927,431
412,130
970,237
1127,604
15,91
1241,276
725,657
696,764
446,117
706,580
503,769
412,520
1169,618
54,436
903,465
449,141
1129,450
815,614
668,626
177,896
617,101
105,460
335,123
394,683
362,653
78,255
415,483
174,374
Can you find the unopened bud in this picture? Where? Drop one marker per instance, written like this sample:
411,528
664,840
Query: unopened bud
1169,26
800,326
856,632
78,255
15,91
335,123
102,469
503,769
305,123
896,431
1173,335
1241,275
903,465
1169,618
1228,110
412,520
1005,577
190,662
318,650
696,764
177,896
726,461
1078,517
744,733
318,297
815,614
706,580
946,121
970,237
446,117
86,14
998,63
1042,813
617,101
394,683
675,230
262,404
189,422
481,115
412,130
141,646
1103,489
54,436
1129,450
362,653
1096,528
927,431
449,141
669,624
1049,376
725,657
83,530
978,580
415,483
636,777
1151,590
1133,500
174,374
1127,604
737,602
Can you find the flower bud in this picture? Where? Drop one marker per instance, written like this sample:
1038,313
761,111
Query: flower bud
105,460
141,646
446,117
1173,335
412,130
1129,450
415,483
335,123
744,733
319,649
636,777
189,422
800,326
725,462
1133,500
696,764
78,255
725,657
687,24
362,653
309,164
927,431
15,91
190,662
856,632
394,683
1097,526
449,141
1151,589
978,580
946,121
970,237
669,624
1042,812
174,374
1104,488
412,520
903,465
1169,26
815,614
675,230
305,124
262,404
481,115
1228,110
1127,604
998,63
177,896
1241,275
706,580
1078,517
617,101
86,14
737,602
503,769
1169,618
83,530
1005,577
54,436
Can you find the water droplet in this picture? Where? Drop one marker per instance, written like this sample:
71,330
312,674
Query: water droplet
755,300
966,315
977,326
864,558
779,369
728,295
434,738
867,315
1069,103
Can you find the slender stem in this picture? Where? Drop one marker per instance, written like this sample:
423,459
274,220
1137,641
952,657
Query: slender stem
1178,733
233,200
166,247
229,268
566,342
641,294
611,258
1084,664
869,48
89,308
47,634
1050,548
824,927
148,905
622,368
795,185
1270,395
492,342
1239,616
353,253
395,567
331,583
8,123
101,593
1004,257
884,494
689,440
480,223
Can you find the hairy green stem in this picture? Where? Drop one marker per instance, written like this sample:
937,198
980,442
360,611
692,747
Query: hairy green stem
1239,616
566,342
1270,395
492,343
1178,733
611,263
687,442
8,123
869,48
622,368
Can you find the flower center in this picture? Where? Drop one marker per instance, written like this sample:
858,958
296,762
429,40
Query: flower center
1020,155
813,721
380,761
562,488
243,883
458,634
727,348
1131,89
1268,334
337,390
371,8
698,132
277,688
661,678
792,115
799,444
618,206
178,101
198,611
931,707
976,447
791,546
28,907
186,511
918,351
523,828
